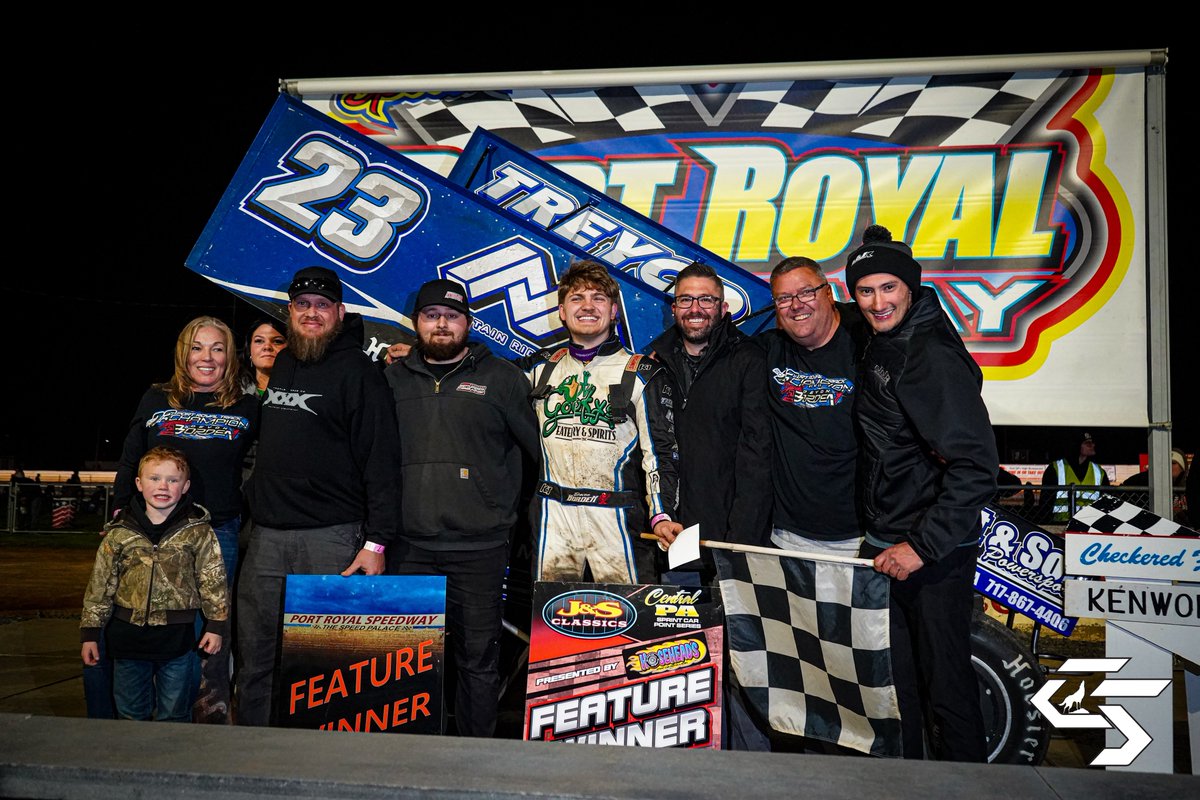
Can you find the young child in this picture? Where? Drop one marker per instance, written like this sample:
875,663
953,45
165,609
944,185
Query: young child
159,563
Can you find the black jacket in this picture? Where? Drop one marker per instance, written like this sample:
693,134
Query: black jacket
461,439
327,453
928,461
722,427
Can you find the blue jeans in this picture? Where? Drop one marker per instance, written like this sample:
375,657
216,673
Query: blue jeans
212,672
160,690
98,685
227,537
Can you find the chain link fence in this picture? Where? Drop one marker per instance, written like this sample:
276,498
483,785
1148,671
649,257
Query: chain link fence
1038,503
55,507
58,507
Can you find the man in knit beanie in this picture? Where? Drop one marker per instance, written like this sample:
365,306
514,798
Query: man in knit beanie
927,466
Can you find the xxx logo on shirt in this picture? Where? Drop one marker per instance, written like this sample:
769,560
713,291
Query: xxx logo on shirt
278,397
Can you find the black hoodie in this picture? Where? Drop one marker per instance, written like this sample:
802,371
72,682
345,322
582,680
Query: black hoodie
461,438
328,452
928,462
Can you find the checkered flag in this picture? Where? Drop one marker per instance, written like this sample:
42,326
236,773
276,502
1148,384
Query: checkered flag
809,642
926,111
1110,515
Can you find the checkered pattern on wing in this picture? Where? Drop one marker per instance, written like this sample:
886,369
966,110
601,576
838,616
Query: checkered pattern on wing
913,111
1110,515
809,643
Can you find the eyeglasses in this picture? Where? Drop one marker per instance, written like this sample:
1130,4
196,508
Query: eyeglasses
320,305
706,301
804,296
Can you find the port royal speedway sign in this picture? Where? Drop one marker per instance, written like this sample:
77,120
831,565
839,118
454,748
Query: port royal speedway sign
1021,193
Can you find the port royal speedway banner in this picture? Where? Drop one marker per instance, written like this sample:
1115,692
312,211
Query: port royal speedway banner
1021,193
625,665
362,654
311,191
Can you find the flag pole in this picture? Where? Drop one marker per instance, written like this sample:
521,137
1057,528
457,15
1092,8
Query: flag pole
774,551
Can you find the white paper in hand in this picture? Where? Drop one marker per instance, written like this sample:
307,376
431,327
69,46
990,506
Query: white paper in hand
685,548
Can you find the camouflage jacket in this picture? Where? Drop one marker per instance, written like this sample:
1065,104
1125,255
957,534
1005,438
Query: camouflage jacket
149,584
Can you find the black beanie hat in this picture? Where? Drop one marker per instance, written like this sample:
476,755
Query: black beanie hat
879,253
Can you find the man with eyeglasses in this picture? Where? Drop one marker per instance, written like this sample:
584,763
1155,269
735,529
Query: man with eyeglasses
810,368
721,422
720,409
323,492
465,419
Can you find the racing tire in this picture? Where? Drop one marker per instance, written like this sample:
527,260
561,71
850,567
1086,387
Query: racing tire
1009,676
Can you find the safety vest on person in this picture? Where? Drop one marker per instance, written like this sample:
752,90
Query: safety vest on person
1067,477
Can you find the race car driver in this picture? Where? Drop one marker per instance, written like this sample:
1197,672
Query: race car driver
604,413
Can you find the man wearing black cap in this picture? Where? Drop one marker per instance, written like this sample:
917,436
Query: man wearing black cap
464,419
323,492
1080,471
927,467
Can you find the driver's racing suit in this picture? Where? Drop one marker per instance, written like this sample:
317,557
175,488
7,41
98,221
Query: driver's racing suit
597,421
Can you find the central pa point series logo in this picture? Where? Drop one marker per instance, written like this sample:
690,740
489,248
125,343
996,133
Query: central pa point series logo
589,615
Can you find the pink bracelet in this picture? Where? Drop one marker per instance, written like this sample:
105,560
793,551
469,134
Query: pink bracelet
657,518
374,548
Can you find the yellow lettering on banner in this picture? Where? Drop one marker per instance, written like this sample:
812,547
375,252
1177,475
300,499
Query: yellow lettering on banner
895,197
959,209
1016,230
640,181
744,181
820,207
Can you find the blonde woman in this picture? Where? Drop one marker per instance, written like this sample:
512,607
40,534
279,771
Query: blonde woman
202,412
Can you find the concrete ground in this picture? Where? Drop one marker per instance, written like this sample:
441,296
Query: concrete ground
40,677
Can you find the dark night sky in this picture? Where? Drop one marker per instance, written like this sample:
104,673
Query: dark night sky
125,155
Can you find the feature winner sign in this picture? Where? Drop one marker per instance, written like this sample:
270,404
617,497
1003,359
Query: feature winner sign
362,653
629,665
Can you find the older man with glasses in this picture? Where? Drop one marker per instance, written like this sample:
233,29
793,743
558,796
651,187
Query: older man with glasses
810,366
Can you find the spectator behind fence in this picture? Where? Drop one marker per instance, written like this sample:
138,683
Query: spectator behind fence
1178,472
1079,469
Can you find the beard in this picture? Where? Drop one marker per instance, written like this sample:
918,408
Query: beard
311,349
442,348
699,335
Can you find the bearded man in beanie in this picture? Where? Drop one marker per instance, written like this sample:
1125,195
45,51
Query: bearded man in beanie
323,492
927,466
